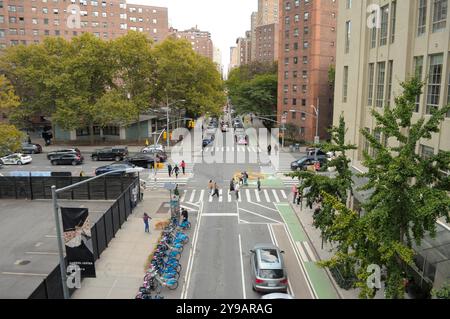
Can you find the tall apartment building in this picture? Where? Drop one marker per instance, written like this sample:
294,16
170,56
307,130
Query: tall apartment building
254,24
200,40
234,59
25,22
244,47
409,37
267,43
268,12
307,49
217,59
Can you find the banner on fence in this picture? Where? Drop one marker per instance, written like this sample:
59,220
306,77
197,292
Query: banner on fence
78,240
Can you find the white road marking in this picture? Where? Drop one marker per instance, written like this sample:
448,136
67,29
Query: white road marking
257,195
284,194
229,196
271,234
202,194
247,193
242,267
275,195
183,196
23,274
220,195
301,251
262,216
210,198
40,253
309,250
220,215
267,196
264,206
192,196
240,196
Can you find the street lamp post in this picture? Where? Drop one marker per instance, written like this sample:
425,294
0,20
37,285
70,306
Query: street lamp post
316,111
55,192
167,115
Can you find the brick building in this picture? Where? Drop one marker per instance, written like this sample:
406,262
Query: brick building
200,40
267,43
29,21
307,49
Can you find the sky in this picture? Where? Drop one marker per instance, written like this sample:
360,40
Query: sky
225,19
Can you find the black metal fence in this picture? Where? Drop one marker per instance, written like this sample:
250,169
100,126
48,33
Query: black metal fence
102,232
106,188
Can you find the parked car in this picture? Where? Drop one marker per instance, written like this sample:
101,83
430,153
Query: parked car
158,153
141,160
268,271
67,159
16,159
64,151
312,151
110,154
120,167
303,163
31,148
158,147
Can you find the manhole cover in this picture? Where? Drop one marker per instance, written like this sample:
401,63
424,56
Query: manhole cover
22,262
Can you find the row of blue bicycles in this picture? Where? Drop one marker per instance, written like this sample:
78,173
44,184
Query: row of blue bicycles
165,267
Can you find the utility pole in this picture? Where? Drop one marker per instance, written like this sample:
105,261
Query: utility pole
168,131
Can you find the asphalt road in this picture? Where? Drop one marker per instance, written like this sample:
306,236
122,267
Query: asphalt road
218,266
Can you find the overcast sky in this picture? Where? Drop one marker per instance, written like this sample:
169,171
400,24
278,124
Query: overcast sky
225,19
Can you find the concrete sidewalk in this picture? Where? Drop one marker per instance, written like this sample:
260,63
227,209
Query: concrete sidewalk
121,268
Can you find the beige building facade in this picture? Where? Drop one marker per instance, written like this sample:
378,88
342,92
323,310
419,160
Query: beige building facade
380,44
200,40
267,12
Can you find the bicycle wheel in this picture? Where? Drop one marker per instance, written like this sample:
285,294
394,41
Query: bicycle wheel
158,288
174,286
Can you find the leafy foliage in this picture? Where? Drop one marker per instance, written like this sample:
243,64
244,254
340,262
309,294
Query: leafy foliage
10,139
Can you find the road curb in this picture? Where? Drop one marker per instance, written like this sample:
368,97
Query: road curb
317,255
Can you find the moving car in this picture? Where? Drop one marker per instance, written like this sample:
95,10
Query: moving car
268,271
211,129
63,152
67,159
141,160
161,155
114,167
277,295
149,148
110,154
303,163
16,159
31,148
206,142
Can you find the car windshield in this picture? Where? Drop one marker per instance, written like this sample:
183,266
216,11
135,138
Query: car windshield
269,256
271,273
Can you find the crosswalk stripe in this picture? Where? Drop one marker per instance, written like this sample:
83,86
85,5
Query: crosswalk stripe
202,193
301,251
183,196
229,196
192,196
220,196
284,194
247,193
276,196
240,196
228,148
267,196
210,198
257,196
309,251
217,149
232,149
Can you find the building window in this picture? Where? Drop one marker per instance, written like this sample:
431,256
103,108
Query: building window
422,17
393,20
389,87
345,85
439,15
111,130
418,70
373,32
384,25
366,146
370,82
285,88
381,73
426,152
434,83
294,115
285,101
348,28
294,101
294,88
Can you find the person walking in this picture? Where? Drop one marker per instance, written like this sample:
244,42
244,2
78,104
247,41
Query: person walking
146,222
245,178
236,190
176,170
232,185
216,190
183,167
169,169
294,192
258,184
210,187
176,191
269,149
185,215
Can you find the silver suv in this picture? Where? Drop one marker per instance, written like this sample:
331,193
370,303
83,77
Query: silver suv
268,269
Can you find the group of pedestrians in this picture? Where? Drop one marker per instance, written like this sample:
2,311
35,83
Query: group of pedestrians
176,170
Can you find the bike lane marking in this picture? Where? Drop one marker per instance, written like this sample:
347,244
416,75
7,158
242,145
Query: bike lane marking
317,276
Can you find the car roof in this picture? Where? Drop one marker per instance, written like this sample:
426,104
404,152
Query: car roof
269,257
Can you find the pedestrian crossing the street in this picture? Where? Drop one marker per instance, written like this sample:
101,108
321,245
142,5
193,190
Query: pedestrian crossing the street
245,195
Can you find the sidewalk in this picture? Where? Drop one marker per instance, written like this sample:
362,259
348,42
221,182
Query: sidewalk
305,217
121,268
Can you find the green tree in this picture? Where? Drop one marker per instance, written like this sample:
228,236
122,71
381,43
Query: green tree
10,139
409,194
135,70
